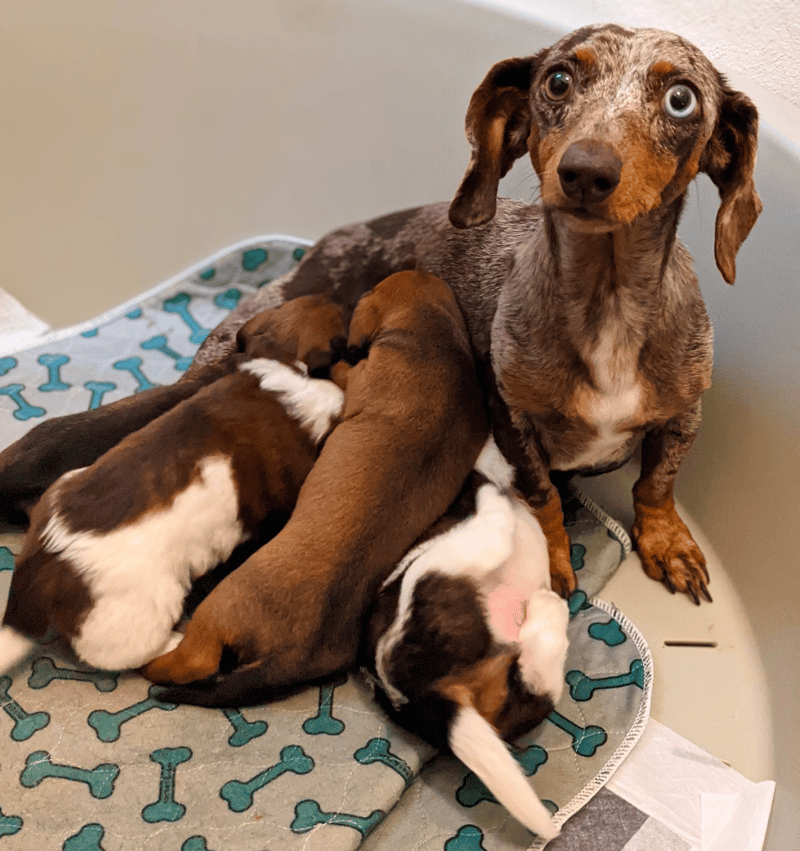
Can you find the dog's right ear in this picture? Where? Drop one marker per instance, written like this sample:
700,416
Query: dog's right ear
498,125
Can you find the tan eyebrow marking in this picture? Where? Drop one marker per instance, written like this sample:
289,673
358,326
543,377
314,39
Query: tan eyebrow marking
662,68
585,55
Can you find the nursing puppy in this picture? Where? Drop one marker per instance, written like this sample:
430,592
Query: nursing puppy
467,641
412,426
114,547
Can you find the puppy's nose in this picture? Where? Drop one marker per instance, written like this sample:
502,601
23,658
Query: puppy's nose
589,171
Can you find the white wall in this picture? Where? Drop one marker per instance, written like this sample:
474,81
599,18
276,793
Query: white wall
760,40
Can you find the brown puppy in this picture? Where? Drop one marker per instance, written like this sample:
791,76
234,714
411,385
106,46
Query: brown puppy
113,548
412,426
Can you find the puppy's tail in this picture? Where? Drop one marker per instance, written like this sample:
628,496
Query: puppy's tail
14,648
476,743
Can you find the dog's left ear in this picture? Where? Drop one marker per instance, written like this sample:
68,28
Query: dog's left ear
498,124
729,159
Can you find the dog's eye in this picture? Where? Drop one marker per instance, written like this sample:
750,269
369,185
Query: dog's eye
680,101
558,85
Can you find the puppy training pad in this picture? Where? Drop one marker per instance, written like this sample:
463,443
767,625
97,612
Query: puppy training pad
95,762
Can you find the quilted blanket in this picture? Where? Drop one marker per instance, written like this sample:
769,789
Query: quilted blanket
94,761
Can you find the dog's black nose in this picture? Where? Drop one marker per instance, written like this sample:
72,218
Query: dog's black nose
589,171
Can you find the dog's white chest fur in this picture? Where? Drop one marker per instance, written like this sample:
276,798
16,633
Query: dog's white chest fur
613,405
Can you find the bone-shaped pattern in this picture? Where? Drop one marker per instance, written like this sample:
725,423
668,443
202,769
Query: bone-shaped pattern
244,731
24,411
578,602
6,559
159,343
468,838
308,814
7,364
577,556
133,365
100,779
179,305
379,750
239,794
53,364
108,725
25,723
98,389
9,825
88,838
253,258
324,722
582,688
195,843
228,300
585,740
610,633
45,671
473,791
166,808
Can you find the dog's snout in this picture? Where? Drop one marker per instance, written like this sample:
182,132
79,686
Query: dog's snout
589,171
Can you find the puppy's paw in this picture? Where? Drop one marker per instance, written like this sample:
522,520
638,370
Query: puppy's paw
668,552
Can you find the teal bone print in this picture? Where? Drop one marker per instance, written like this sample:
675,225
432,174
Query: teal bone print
582,688
24,411
9,825
179,305
133,365
585,740
53,364
308,814
159,343
25,723
6,559
468,838
379,750
98,389
7,364
239,794
108,725
45,671
100,779
473,791
88,838
609,633
244,731
166,808
324,722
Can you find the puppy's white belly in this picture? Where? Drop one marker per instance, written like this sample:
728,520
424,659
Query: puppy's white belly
139,573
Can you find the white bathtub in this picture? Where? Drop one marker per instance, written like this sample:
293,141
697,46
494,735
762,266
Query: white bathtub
139,137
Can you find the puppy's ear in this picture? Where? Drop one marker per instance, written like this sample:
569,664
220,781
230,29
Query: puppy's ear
498,125
365,324
729,159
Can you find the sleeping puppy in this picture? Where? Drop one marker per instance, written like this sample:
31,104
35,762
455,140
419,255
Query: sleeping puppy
412,426
467,642
114,547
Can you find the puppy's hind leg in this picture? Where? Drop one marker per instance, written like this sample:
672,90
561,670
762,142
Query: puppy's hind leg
196,656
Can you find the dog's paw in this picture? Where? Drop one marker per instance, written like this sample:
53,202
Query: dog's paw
669,553
562,575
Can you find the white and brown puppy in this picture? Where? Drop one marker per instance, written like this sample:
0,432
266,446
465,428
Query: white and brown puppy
113,548
467,641
411,429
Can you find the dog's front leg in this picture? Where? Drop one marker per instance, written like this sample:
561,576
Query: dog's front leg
516,438
668,552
